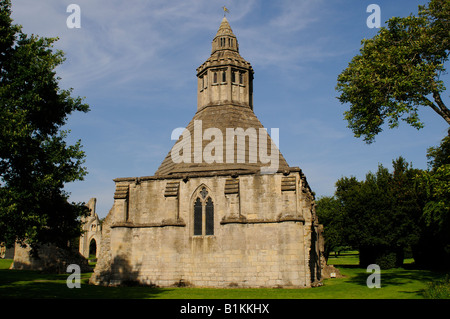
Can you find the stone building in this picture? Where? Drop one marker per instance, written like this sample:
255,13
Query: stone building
6,253
56,259
224,209
92,232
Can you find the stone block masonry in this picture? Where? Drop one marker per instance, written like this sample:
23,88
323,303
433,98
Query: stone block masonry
261,242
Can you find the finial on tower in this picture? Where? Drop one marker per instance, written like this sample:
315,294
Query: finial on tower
225,11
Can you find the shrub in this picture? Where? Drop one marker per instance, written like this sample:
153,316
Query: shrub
439,289
387,260
383,256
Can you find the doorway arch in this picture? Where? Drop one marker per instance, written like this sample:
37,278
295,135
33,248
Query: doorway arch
92,248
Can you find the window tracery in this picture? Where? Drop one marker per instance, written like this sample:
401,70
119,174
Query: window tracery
203,214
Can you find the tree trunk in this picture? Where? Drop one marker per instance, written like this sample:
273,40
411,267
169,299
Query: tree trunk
440,108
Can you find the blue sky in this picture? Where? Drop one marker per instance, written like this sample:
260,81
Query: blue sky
135,63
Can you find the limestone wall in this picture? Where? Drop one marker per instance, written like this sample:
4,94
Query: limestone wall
50,259
262,233
91,230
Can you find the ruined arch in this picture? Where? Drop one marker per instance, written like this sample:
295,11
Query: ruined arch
93,247
92,229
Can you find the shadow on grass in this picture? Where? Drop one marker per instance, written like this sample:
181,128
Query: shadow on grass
398,276
37,285
409,281
347,266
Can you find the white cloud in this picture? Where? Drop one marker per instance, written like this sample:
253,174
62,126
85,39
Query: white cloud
289,38
123,42
296,15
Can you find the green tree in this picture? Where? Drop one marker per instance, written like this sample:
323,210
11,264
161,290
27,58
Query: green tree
407,206
329,212
439,155
35,160
380,214
348,194
398,71
434,248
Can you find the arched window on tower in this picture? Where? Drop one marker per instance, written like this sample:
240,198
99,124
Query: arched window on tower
215,77
224,76
203,214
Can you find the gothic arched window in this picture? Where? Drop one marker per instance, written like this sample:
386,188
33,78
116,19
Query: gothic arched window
198,217
203,214
209,217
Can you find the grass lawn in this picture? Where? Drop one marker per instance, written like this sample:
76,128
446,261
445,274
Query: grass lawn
399,283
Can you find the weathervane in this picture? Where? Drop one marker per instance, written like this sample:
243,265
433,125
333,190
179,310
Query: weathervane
225,11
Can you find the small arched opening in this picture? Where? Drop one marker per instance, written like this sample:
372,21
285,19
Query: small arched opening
92,249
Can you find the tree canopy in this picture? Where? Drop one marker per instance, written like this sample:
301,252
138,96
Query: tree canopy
330,215
378,216
435,182
389,213
35,159
397,72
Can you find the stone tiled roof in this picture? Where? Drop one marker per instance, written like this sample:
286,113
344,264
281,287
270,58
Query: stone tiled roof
222,117
225,28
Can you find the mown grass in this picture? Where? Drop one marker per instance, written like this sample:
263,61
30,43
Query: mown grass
399,283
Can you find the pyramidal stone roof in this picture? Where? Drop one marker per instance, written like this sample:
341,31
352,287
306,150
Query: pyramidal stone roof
224,136
225,28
